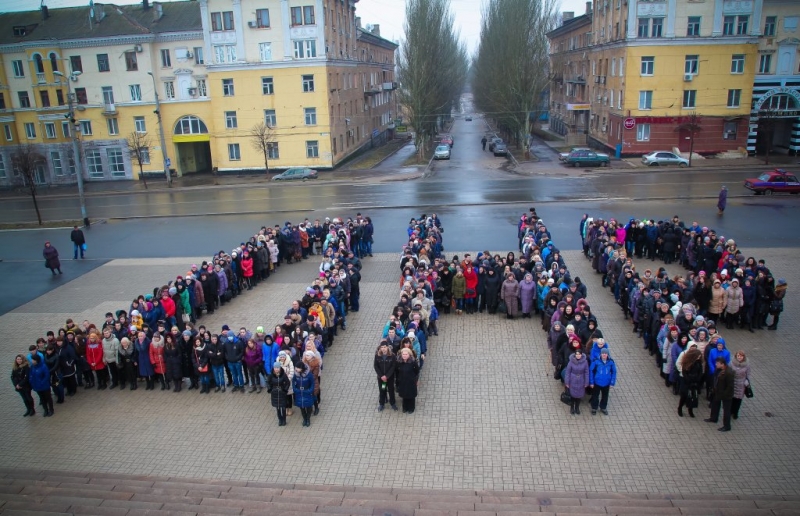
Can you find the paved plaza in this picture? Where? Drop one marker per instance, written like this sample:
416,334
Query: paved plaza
488,415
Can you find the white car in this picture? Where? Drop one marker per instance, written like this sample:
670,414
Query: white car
442,152
657,158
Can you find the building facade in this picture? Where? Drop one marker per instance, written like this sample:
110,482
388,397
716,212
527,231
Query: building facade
219,68
680,74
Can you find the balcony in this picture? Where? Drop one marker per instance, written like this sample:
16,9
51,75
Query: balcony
580,79
389,86
109,109
40,78
372,90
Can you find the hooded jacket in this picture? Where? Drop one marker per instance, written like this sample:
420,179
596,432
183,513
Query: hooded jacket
715,353
603,374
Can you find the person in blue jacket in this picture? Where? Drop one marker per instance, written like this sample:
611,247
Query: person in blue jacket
602,376
40,382
598,346
720,351
303,386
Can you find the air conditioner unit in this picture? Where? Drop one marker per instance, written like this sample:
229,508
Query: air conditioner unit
688,77
189,55
605,128
252,24
602,79
137,48
193,92
596,79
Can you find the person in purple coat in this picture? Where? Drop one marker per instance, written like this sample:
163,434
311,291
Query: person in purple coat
576,379
527,294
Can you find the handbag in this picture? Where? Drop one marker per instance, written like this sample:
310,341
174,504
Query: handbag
502,308
748,391
186,318
566,398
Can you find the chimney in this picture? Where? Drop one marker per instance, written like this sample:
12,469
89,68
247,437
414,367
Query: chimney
45,12
567,15
588,7
376,29
145,4
358,22
99,12
158,11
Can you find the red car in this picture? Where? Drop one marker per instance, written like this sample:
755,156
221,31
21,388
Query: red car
447,140
777,180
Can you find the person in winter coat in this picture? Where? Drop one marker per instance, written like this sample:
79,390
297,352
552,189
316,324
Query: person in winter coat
51,260
312,360
110,353
741,371
278,386
172,360
158,361
556,331
459,289
576,379
303,387
128,360
717,351
216,357
602,376
247,270
284,359
384,365
492,284
253,360
509,292
39,380
94,358
719,300
734,303
776,304
407,376
690,367
527,295
146,371
187,369
471,292
20,379
201,361
724,380
722,200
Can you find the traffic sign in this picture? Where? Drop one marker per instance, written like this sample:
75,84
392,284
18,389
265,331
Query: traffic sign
168,162
630,123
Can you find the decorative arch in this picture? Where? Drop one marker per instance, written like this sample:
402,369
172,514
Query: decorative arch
190,124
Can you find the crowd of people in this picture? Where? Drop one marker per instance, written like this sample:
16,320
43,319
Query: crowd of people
158,340
679,317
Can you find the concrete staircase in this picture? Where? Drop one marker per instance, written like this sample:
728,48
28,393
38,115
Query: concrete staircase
37,493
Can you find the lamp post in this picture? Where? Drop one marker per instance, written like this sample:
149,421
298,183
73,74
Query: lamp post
161,132
75,141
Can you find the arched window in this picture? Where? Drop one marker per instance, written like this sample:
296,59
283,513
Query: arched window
780,101
37,58
54,61
190,125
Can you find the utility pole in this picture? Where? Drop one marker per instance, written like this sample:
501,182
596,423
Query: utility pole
75,142
161,133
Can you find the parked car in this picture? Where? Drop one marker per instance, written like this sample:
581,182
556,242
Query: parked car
587,157
657,158
500,148
447,139
492,141
296,173
562,156
777,180
442,152
468,118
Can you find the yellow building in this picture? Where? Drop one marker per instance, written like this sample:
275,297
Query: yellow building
218,69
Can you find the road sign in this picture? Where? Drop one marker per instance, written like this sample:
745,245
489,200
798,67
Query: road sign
630,123
169,162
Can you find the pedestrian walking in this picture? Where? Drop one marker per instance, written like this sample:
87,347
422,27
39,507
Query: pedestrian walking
20,377
723,199
78,242
602,376
724,382
483,143
51,260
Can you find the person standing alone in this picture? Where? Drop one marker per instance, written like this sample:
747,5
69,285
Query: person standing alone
723,200
78,242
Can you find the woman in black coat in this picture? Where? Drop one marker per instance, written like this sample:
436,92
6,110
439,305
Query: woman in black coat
51,260
172,360
407,374
20,374
492,290
278,386
201,364
186,345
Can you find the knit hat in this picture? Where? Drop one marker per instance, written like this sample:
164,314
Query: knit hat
604,351
277,365
172,291
308,354
187,333
260,329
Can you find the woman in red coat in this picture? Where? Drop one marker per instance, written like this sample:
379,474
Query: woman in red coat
471,293
247,269
94,357
157,358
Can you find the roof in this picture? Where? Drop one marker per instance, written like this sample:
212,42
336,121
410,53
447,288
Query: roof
73,22
571,24
369,37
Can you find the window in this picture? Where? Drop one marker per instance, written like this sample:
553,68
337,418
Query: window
198,55
44,95
729,130
166,59
30,130
102,63
297,15
75,64
115,162
169,90
621,66
86,127
790,23
65,129
58,169
227,87
727,25
267,86
24,99
737,63
690,64
262,18
310,115
308,15
94,164
50,129
642,132
234,153
693,28
734,98
765,63
312,149
7,131
60,97
80,96
2,167
113,126
139,124
108,95
53,61
136,92
657,28
648,65
222,21
144,155
769,25
202,89
71,163
37,60
305,48
619,100
646,99
190,125
230,120
273,151
225,53
131,63
19,68
308,83
265,51
689,98
269,118
741,24
2,101
644,28
613,66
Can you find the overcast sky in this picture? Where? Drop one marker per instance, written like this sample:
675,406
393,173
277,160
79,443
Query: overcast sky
389,14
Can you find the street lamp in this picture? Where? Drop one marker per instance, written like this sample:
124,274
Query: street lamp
161,133
75,142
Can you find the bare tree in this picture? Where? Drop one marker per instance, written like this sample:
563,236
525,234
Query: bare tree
139,146
262,138
691,123
25,159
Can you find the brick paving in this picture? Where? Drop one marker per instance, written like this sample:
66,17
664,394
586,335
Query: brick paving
488,417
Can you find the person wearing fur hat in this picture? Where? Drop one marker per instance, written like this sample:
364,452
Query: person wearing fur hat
776,304
602,376
278,385
576,379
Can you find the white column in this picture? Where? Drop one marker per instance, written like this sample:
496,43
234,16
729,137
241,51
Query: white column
717,28
286,24
208,56
671,12
240,25
794,139
755,26
633,21
321,25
